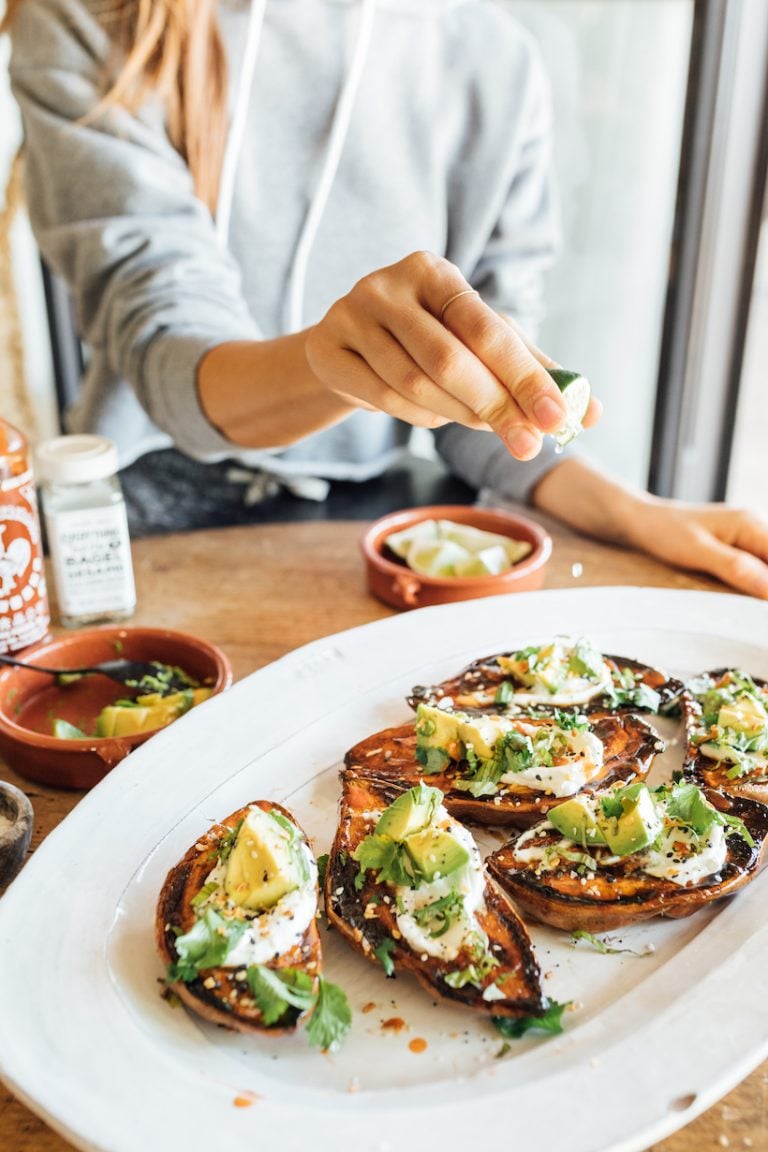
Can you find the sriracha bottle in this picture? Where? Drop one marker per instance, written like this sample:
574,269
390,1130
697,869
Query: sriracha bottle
24,614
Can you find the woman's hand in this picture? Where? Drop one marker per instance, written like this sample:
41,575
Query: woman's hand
729,543
412,340
725,542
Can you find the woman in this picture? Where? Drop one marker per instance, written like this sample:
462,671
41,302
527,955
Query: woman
272,217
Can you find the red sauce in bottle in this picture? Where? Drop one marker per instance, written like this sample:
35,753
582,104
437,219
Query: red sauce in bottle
24,614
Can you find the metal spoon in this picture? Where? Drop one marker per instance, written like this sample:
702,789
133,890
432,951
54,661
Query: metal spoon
127,672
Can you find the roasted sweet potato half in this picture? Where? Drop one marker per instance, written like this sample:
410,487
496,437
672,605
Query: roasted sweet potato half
222,994
478,687
572,898
366,916
734,777
388,759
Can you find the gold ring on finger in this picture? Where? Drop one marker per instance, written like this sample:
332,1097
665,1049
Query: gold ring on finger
450,300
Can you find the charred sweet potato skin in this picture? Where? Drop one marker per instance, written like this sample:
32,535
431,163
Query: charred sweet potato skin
475,687
228,1002
713,774
388,758
367,918
622,894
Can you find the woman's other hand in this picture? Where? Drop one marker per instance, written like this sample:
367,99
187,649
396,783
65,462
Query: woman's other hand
413,340
729,543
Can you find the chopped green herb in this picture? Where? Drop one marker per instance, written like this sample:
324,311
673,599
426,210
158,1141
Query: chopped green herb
331,1020
551,1021
227,842
440,914
322,869
206,945
603,947
383,953
627,691
505,1048
206,891
504,693
277,990
388,859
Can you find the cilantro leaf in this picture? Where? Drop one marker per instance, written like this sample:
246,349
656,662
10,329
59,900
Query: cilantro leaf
383,953
322,869
206,945
332,1018
688,805
277,990
388,859
550,1021
627,691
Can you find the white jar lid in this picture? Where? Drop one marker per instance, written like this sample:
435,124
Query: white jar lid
76,459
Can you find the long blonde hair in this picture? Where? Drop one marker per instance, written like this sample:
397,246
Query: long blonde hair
172,48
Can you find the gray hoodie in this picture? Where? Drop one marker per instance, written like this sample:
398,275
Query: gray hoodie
445,146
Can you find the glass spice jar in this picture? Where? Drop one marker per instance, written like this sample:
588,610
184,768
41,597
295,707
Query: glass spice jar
24,614
87,529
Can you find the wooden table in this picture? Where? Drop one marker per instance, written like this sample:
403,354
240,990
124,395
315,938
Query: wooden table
259,592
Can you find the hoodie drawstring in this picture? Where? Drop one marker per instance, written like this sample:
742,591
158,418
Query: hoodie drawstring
239,118
293,307
294,301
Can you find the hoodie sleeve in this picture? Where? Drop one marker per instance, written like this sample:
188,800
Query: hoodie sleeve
509,275
114,212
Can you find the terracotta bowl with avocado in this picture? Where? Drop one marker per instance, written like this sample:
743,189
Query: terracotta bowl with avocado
70,734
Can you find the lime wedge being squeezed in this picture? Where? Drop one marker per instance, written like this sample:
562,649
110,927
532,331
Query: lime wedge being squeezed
576,392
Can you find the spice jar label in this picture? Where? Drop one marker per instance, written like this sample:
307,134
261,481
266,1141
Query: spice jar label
24,614
91,556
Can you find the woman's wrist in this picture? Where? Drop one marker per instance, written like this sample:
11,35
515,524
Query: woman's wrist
585,498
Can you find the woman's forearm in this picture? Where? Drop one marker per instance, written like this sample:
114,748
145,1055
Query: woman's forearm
263,394
590,501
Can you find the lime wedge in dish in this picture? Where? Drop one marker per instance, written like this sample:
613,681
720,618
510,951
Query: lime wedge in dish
443,558
489,562
576,392
421,533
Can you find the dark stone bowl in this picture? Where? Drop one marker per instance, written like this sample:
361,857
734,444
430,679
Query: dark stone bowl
16,818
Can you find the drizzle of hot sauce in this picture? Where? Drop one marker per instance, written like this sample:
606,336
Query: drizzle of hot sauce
394,1024
369,1007
246,1099
417,1044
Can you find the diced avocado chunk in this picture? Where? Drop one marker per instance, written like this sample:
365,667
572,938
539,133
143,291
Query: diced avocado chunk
482,732
410,813
147,713
436,728
745,714
263,865
576,819
436,853
638,825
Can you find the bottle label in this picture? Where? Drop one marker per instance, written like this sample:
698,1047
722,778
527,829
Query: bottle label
24,615
91,556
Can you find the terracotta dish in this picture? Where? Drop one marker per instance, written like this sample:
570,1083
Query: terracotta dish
392,581
29,701
16,819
